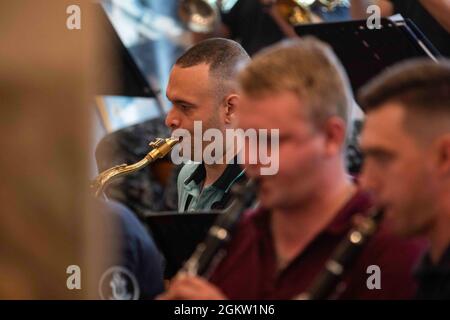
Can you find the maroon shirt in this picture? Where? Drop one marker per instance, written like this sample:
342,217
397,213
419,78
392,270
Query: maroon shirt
249,271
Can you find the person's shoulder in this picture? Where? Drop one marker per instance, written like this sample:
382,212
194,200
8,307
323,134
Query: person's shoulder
392,250
121,211
252,219
136,250
129,225
386,242
396,259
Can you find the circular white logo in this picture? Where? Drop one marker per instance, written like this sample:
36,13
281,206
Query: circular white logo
118,283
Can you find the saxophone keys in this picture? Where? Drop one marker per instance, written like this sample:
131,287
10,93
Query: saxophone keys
157,143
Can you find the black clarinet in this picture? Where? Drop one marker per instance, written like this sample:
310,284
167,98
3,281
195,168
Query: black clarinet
344,255
211,251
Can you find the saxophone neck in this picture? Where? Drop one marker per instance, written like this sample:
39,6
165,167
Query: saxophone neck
160,148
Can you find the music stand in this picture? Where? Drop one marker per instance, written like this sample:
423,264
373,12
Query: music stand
363,52
178,234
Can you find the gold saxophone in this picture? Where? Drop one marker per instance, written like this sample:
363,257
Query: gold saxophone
161,147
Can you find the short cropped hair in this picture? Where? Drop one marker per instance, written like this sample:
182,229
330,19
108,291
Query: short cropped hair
223,56
306,67
418,84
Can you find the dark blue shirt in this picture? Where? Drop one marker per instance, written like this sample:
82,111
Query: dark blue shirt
137,252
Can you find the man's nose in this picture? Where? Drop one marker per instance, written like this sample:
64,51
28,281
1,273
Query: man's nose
172,119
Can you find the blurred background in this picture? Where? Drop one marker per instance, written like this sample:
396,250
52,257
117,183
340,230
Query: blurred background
76,102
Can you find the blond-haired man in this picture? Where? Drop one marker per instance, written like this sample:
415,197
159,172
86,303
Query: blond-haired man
300,88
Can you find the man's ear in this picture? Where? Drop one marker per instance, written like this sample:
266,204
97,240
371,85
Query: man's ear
335,134
231,103
443,154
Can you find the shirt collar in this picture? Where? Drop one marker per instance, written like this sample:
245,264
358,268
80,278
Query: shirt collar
359,203
232,172
198,175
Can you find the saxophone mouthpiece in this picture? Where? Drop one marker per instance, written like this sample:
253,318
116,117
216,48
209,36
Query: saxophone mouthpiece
173,140
159,142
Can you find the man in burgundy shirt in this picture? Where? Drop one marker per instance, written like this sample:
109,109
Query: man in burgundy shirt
306,208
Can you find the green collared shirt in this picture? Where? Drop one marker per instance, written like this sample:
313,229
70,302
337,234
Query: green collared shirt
191,195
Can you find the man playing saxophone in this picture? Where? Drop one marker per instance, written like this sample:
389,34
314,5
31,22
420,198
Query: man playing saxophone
202,90
306,209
